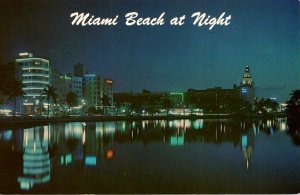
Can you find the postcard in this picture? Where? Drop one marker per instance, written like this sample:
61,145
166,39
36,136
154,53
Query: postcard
149,97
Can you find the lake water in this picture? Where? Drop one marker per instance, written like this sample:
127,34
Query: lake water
180,156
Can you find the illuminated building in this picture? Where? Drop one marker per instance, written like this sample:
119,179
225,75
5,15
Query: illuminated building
247,90
107,90
94,88
177,98
216,98
65,84
36,160
63,88
34,73
77,87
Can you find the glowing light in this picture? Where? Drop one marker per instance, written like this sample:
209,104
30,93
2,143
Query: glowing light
244,141
110,154
35,74
30,88
35,68
109,81
177,140
7,135
90,160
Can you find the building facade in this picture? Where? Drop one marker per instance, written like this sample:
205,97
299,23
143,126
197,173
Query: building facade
77,88
34,73
63,88
108,91
247,88
212,99
93,90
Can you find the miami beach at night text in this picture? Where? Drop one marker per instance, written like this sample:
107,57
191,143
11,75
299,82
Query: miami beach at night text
134,19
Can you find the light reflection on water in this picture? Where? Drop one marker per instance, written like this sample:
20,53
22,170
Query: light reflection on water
48,151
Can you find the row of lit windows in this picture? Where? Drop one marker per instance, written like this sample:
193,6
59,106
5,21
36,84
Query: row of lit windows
40,78
33,63
35,84
35,71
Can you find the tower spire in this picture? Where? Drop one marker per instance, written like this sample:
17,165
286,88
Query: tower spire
247,80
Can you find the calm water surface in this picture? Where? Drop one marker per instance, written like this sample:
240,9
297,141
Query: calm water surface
180,156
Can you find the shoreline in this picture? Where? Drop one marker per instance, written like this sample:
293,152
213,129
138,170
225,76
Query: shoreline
15,122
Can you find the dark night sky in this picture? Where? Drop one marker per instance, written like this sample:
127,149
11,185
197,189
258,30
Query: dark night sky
262,34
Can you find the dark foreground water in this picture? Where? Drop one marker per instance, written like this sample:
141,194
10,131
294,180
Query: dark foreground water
181,156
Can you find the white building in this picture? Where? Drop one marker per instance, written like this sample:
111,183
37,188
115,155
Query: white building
34,73
93,90
77,87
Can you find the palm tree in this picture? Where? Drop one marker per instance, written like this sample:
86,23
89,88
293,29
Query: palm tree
293,114
49,93
295,96
167,104
293,105
15,92
71,99
105,102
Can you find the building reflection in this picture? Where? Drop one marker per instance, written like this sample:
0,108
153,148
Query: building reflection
247,147
36,160
86,145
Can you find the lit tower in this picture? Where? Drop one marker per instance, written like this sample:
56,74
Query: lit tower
35,75
247,86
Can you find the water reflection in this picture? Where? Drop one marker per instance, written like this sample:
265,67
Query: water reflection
86,145
36,160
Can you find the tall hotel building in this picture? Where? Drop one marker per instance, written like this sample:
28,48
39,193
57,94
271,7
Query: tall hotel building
34,73
93,90
107,90
247,90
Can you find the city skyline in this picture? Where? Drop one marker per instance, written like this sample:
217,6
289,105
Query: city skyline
163,58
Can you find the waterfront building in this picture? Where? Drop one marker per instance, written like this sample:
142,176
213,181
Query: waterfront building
93,90
247,89
148,102
77,87
63,88
177,99
34,73
211,99
107,90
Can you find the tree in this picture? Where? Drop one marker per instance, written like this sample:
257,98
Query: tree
265,106
105,102
71,100
237,105
15,92
293,114
167,104
295,96
152,103
49,93
293,105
